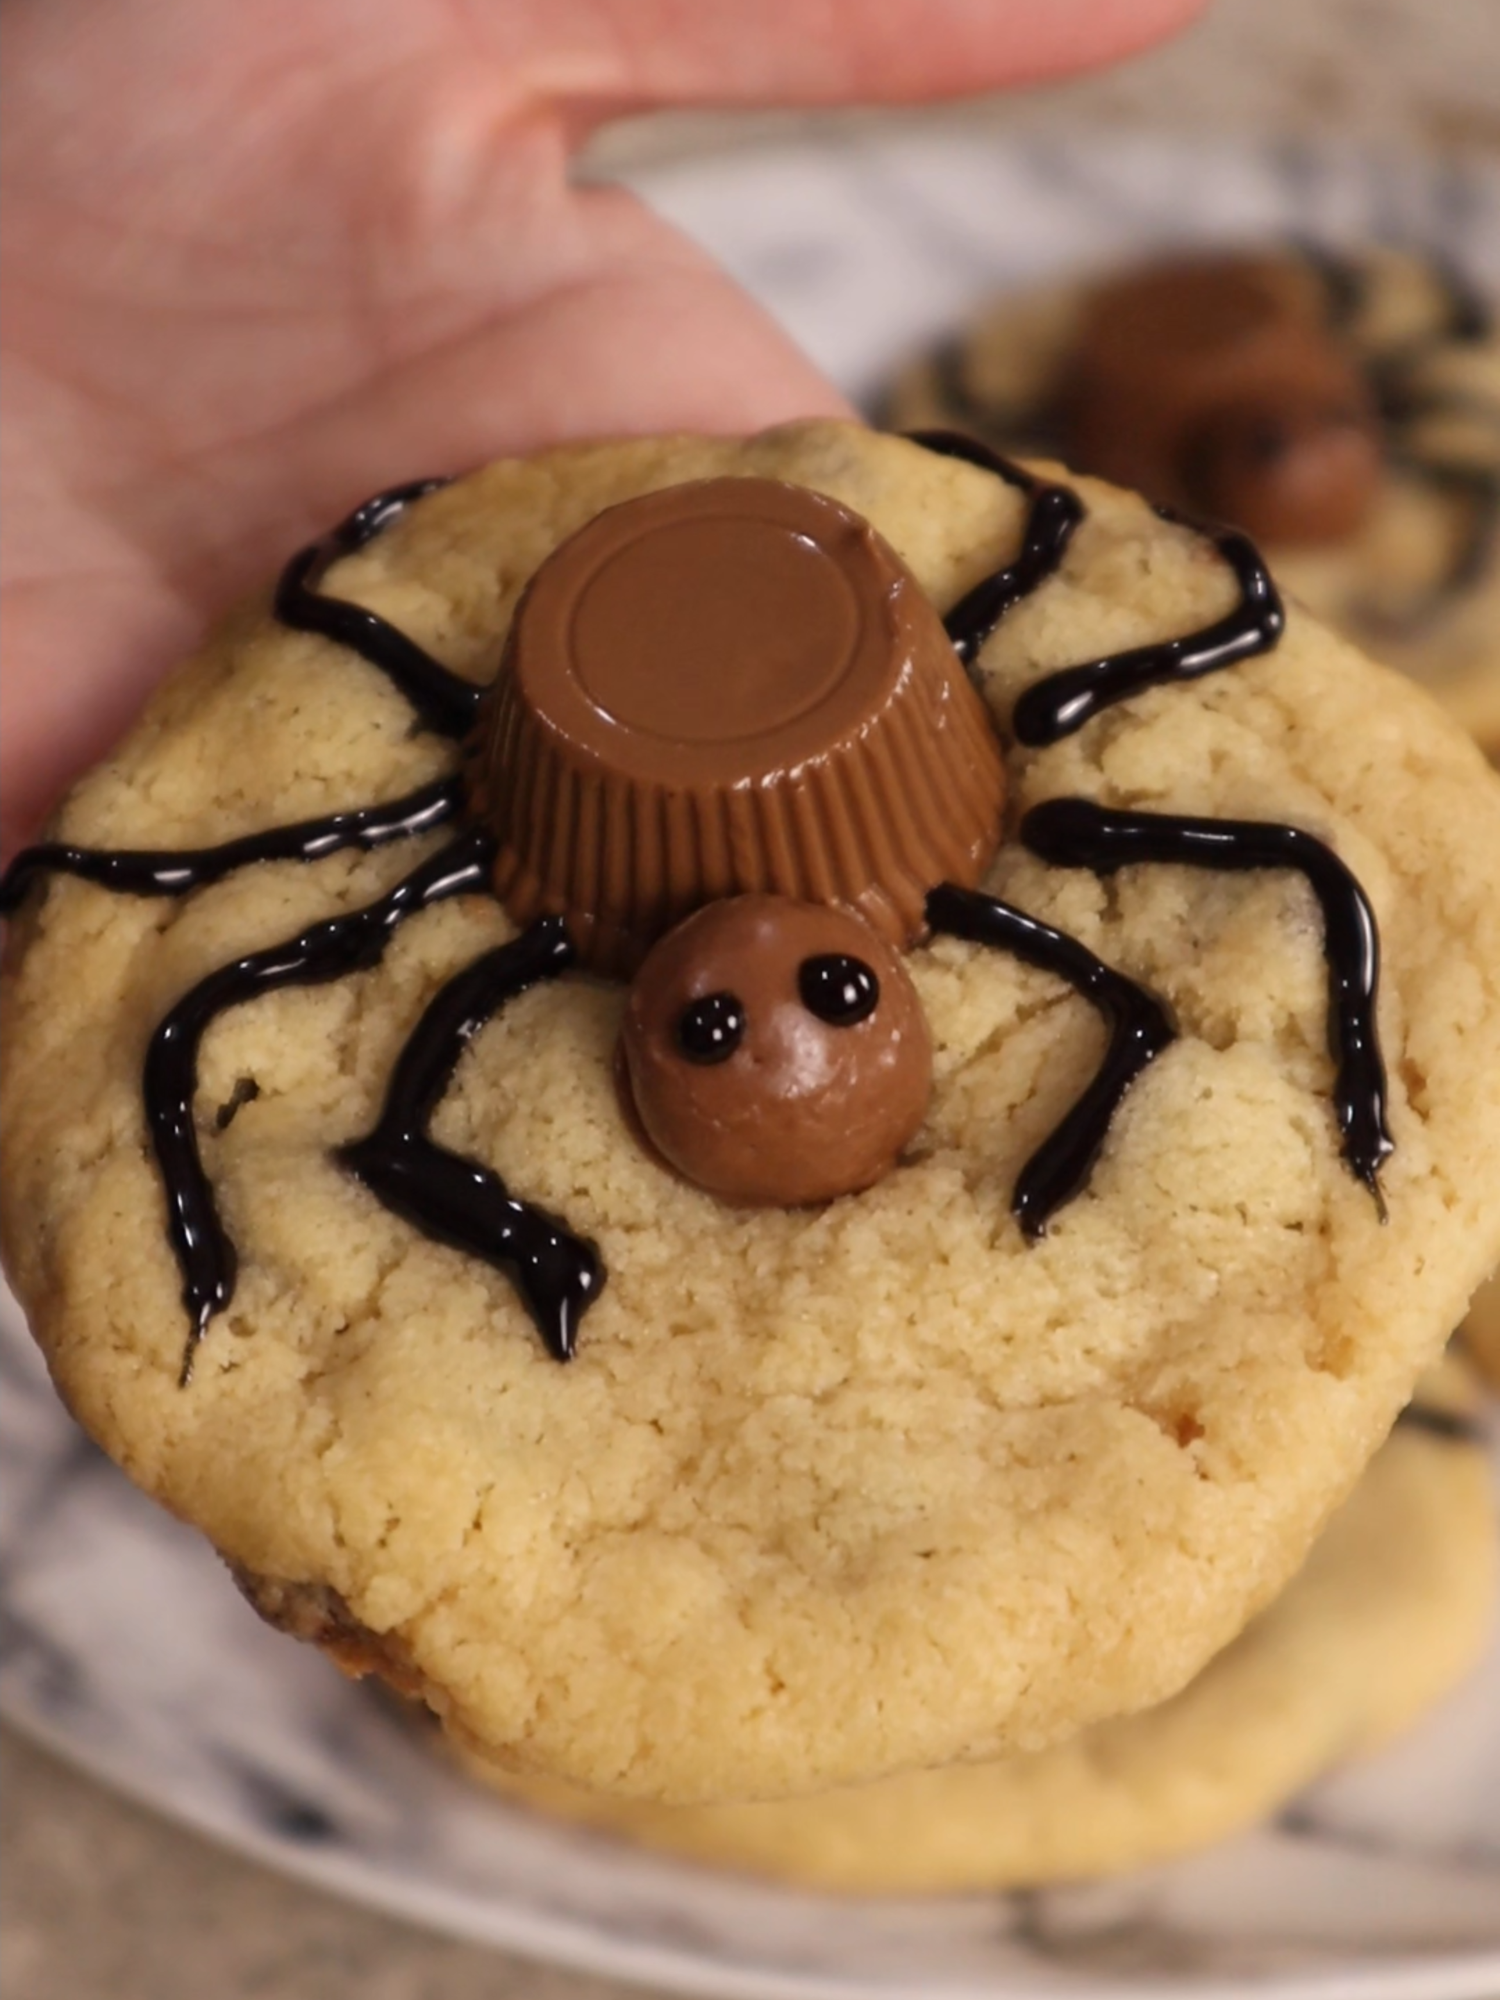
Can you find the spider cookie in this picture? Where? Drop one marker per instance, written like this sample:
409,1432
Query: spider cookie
760,1111
1344,410
1391,1609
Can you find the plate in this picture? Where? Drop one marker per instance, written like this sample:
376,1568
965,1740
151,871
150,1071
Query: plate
124,1647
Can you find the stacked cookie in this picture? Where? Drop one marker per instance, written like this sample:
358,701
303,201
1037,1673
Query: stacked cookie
1343,408
764,1114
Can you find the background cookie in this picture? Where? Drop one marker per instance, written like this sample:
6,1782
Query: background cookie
1481,1330
1391,1608
1414,577
825,1492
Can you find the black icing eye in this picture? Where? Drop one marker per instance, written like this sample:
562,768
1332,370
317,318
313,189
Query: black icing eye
712,1028
840,990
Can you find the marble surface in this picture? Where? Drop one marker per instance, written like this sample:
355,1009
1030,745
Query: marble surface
104,1898
107,1901
868,244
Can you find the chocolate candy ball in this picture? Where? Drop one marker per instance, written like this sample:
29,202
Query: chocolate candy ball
776,1051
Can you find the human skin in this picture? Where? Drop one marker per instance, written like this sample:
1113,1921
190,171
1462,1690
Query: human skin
260,261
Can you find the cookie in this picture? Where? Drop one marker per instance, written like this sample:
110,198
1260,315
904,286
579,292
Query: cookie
1344,409
1012,1438
1391,1609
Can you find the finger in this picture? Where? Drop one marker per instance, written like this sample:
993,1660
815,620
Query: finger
602,56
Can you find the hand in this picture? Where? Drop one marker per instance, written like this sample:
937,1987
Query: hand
264,259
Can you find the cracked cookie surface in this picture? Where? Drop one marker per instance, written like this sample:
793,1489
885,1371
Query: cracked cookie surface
1391,1608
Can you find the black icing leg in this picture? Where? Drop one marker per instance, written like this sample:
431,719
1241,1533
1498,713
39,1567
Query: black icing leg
1054,514
1063,702
326,951
1454,1426
156,871
1139,1030
1477,487
1073,833
456,1200
445,701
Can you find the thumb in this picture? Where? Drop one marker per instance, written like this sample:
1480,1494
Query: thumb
601,57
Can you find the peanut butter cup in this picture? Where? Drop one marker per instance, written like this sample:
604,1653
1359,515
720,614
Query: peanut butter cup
1215,384
730,686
